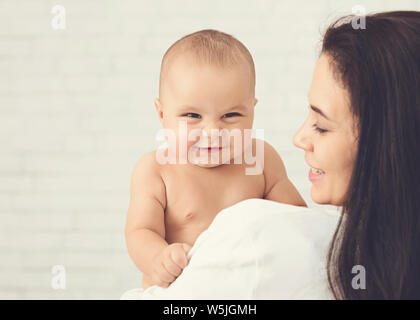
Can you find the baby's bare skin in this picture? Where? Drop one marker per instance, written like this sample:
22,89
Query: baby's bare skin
203,192
172,204
191,196
192,206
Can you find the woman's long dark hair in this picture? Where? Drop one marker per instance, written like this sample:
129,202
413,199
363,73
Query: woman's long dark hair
379,227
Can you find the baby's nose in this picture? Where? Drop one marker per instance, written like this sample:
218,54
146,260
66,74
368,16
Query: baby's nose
211,131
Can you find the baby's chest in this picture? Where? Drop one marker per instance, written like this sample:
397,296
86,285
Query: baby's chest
199,197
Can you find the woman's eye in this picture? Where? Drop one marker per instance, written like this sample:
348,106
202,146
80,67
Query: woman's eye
191,115
231,114
320,130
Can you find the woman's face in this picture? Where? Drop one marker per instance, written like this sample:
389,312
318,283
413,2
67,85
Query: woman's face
328,137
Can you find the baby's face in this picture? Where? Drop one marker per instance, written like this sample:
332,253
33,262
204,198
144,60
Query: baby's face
208,97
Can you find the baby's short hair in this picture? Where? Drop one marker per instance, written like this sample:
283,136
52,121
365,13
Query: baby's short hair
212,47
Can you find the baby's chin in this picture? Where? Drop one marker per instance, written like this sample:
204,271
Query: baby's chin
209,164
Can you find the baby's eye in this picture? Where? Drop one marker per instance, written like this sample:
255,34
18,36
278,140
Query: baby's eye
231,114
191,115
320,130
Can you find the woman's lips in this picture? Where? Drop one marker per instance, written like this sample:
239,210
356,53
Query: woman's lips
314,177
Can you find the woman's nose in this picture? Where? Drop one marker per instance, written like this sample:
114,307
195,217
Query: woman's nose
301,139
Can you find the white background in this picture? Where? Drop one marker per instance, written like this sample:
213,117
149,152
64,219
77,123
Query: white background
76,112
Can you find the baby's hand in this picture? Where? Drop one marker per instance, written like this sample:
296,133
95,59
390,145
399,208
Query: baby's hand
169,263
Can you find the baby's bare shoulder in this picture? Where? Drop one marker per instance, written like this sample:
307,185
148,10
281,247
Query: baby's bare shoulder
272,159
147,163
273,164
147,174
146,179
258,143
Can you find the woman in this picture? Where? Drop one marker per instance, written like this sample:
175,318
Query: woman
361,140
370,143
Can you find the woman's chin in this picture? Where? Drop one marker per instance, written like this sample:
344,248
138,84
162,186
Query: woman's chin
318,196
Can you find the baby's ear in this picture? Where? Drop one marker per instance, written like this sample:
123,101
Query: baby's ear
158,106
255,101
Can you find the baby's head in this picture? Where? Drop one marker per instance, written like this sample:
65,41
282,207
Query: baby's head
207,79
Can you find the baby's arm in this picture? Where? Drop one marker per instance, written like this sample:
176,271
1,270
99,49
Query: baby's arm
160,262
278,187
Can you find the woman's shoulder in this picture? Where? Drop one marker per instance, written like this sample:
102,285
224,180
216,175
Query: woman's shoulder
290,244
260,210
289,224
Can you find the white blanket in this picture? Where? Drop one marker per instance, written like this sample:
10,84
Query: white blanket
256,249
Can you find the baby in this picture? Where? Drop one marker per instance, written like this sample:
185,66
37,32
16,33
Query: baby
207,85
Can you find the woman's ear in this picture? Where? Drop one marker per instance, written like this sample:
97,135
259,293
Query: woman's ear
158,106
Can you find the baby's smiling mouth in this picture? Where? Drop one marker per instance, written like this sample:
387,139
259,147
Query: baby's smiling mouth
209,149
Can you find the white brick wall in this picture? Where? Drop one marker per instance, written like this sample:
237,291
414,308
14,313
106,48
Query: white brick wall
76,112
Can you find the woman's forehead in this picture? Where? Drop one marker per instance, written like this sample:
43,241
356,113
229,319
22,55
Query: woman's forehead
327,94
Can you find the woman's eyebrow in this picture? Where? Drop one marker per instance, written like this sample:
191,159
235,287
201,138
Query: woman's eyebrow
319,111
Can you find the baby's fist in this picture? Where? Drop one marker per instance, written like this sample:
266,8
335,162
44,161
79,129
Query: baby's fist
168,265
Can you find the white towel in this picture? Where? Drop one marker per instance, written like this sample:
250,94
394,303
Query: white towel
256,249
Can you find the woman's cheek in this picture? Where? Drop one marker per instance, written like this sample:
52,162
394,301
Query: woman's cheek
341,172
